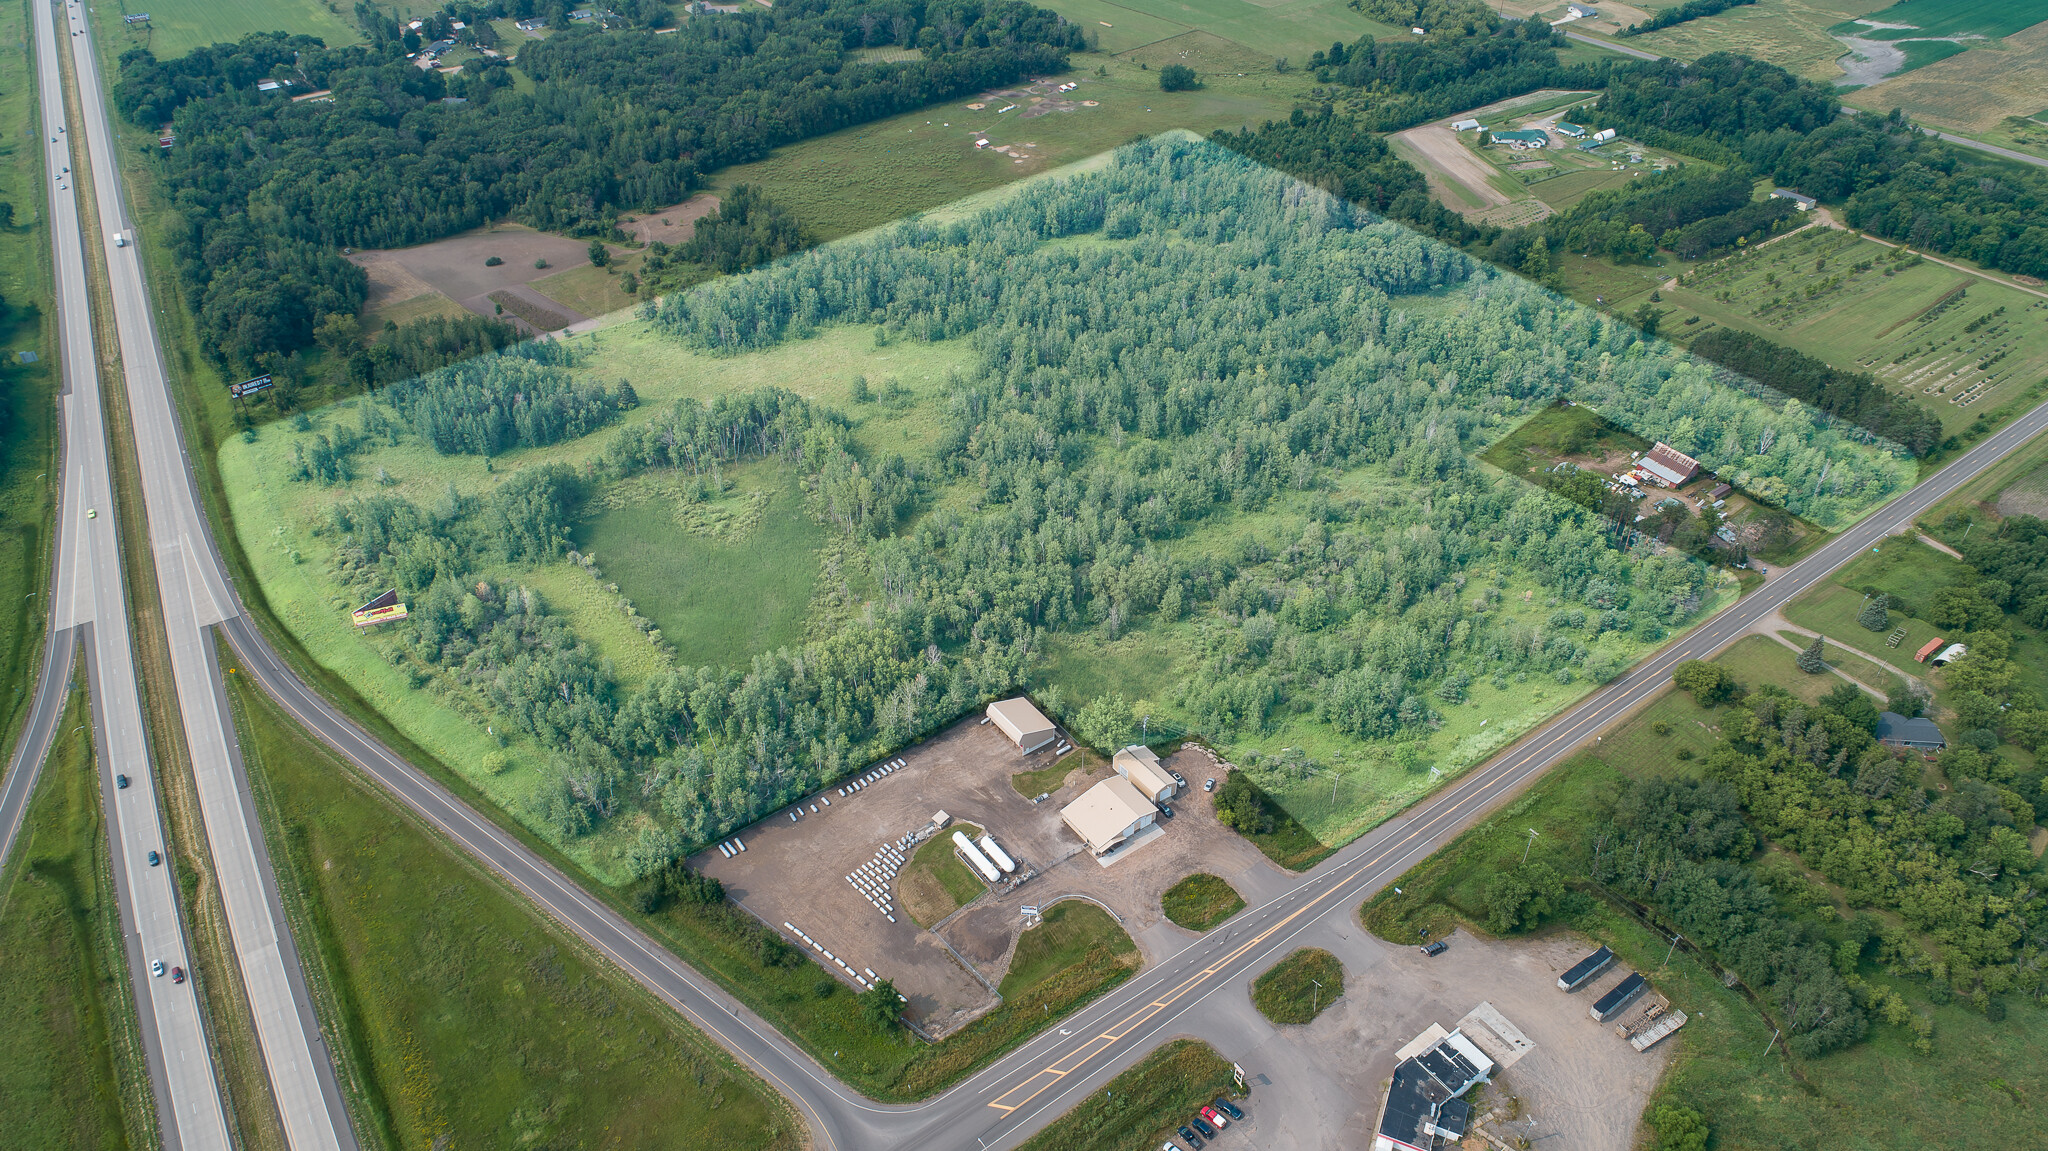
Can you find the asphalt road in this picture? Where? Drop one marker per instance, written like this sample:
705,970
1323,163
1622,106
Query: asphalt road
88,602
194,595
1019,1094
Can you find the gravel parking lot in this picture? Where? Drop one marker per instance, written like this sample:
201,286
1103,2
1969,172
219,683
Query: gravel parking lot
794,871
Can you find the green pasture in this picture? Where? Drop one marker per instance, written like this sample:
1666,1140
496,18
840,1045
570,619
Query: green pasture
1793,34
1909,329
1294,29
27,391
1949,18
72,1076
862,177
177,26
461,1008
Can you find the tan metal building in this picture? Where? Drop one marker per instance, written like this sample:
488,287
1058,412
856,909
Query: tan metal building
1109,813
1138,764
1026,726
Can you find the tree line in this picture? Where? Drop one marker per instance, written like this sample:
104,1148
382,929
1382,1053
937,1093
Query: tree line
268,190
1853,396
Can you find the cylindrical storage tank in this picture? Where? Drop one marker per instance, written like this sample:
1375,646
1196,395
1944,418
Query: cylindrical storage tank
1002,858
975,858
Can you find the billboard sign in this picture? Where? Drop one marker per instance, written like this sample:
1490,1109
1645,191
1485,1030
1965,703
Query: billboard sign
247,388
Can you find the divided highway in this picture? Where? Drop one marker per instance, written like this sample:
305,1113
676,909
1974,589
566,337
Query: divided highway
997,1107
89,602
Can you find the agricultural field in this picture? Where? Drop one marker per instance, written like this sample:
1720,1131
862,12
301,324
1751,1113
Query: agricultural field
1500,184
866,176
1940,1071
1959,345
1289,29
176,27
1340,745
1793,34
1989,91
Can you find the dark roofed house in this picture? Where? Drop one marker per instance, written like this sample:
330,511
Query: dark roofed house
1719,491
1895,730
1423,1110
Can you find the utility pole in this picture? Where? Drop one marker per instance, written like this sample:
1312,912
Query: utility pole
1675,937
1774,1039
1315,998
1530,844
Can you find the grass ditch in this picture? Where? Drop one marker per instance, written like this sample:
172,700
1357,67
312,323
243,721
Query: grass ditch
74,1075
1299,987
1201,901
1141,1107
459,1009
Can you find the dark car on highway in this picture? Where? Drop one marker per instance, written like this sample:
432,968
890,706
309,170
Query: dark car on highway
120,781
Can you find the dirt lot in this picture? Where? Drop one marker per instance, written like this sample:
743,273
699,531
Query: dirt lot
676,224
795,872
455,268
1320,1085
1448,159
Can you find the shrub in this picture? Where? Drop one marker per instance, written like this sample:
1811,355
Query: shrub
1177,78
494,261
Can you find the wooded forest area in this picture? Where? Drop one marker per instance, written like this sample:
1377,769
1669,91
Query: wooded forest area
1157,348
270,190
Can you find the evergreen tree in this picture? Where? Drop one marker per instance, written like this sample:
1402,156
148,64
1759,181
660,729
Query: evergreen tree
1810,660
1876,615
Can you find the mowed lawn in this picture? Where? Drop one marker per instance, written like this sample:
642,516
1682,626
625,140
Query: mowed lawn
177,26
463,1009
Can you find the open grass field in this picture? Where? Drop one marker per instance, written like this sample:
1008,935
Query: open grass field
1032,784
1909,19
1299,987
177,26
865,176
1793,34
1139,1109
718,596
1983,496
1878,1094
1976,91
1925,329
461,1009
27,408
1291,29
1069,932
1201,901
72,1073
591,290
934,884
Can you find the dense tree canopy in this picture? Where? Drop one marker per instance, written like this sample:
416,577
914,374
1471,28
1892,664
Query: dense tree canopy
270,189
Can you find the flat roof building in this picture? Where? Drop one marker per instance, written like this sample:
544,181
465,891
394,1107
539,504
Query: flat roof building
1669,465
1109,813
1138,764
1423,1110
1026,726
1803,203
1921,734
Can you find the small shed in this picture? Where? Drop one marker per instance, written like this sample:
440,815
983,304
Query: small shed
1932,646
1466,125
1803,203
1950,654
1572,130
1719,491
1920,734
1026,726
1141,766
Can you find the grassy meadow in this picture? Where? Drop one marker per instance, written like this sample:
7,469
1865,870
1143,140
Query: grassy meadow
1299,987
28,426
1141,1107
1970,1092
1290,29
73,1075
1066,934
1201,901
1792,34
176,27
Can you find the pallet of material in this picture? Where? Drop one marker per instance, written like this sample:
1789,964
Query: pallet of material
1582,972
1650,1036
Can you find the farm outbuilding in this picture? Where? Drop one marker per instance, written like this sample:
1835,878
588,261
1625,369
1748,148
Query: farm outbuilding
1109,813
1803,203
1138,764
1669,465
1950,654
1530,137
1026,726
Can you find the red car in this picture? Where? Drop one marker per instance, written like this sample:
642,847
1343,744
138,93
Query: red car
177,975
1215,1116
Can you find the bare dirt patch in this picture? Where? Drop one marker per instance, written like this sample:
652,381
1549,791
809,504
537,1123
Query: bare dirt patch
676,224
456,268
533,310
2028,496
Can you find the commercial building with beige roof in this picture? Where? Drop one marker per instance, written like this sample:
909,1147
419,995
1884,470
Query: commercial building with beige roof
1141,766
1109,813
